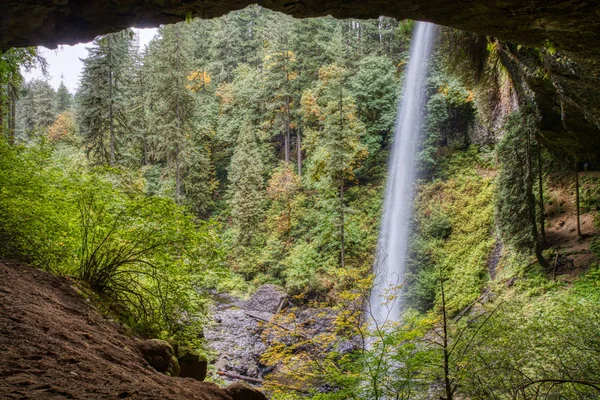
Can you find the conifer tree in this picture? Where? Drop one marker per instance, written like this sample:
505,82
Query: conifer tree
36,108
516,202
139,105
102,105
279,74
11,81
175,103
246,184
334,139
64,99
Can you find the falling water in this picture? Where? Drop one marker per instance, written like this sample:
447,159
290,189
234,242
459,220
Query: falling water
385,304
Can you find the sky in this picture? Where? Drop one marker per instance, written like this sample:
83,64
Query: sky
65,61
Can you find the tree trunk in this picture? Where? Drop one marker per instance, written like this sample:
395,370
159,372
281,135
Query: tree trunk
532,206
287,130
2,105
13,115
342,233
446,351
577,200
177,175
111,120
177,127
541,193
299,151
177,161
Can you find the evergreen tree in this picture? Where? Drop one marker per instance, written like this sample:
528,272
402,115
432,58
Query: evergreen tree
36,109
11,81
175,102
516,203
64,99
240,100
375,88
334,139
102,108
279,74
246,184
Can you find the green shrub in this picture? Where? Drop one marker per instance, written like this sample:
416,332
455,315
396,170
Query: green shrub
144,256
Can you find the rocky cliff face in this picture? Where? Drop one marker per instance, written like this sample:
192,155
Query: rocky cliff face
568,24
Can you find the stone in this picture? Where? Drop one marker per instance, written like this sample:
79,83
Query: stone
242,391
267,298
160,356
191,364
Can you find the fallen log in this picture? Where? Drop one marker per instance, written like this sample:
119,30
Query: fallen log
240,377
259,381
266,321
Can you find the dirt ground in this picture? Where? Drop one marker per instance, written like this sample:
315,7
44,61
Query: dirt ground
55,345
574,252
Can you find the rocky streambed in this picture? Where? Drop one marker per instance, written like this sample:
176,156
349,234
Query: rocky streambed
235,332
238,338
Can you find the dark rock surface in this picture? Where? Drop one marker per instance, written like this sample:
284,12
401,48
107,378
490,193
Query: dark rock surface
191,364
570,25
160,356
267,298
242,391
236,328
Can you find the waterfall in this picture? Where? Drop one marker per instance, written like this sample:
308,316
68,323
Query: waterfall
385,302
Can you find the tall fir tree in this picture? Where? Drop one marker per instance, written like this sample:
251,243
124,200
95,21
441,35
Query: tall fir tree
279,73
334,142
246,184
64,98
175,102
102,108
36,109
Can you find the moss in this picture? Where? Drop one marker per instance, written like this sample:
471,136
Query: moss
461,238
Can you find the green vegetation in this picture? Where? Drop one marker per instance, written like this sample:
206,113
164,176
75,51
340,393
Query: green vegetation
253,149
145,254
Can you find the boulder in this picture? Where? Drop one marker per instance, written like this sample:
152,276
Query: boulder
267,298
242,391
160,356
191,364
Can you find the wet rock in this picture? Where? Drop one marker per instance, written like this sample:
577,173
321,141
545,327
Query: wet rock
160,356
236,329
267,298
192,364
236,338
242,391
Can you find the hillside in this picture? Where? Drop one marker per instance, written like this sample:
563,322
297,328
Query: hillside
56,345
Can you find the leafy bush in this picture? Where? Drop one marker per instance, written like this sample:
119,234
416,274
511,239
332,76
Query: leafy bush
145,256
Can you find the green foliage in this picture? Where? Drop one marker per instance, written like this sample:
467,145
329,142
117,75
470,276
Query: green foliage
589,193
64,99
375,87
146,255
102,107
515,202
450,115
36,106
246,179
544,345
11,81
454,218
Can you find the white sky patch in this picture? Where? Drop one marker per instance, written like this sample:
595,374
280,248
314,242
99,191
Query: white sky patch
66,61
